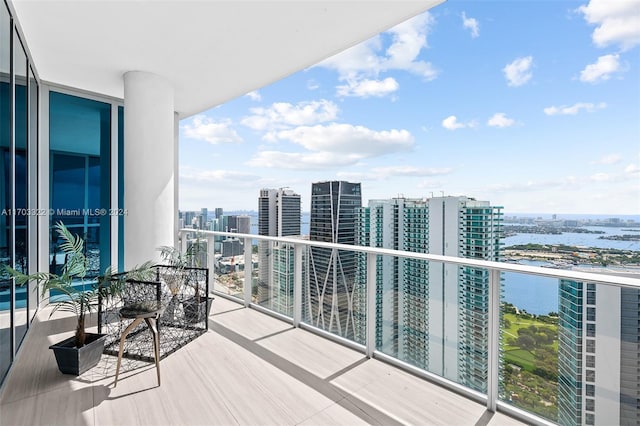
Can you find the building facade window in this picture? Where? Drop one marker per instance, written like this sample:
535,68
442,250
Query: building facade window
589,404
589,419
80,170
18,145
590,390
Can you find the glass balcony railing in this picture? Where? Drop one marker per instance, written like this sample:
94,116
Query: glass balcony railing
544,345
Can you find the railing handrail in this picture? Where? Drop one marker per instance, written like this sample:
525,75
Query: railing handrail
592,277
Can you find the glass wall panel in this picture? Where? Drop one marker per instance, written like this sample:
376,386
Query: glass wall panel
121,187
434,316
5,189
80,193
229,265
564,365
21,184
33,294
18,142
275,290
67,188
529,341
331,292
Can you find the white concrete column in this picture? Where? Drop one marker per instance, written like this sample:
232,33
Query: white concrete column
150,167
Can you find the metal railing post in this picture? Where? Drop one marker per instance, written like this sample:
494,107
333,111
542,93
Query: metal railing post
248,267
183,243
211,261
297,285
371,304
494,340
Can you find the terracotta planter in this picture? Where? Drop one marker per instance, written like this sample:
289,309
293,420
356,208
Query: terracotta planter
72,360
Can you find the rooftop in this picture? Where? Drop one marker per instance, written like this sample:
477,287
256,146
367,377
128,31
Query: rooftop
249,368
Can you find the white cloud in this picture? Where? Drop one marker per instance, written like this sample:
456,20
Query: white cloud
411,171
383,173
518,72
609,159
283,114
224,177
302,160
347,138
452,123
254,96
471,24
369,88
617,22
204,128
368,59
601,70
312,84
571,183
632,169
600,177
500,119
333,145
574,109
409,38
532,185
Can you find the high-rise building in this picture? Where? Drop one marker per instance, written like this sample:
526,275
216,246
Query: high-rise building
432,315
332,272
279,214
240,224
204,215
189,218
598,354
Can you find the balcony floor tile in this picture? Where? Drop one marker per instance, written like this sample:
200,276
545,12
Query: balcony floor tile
249,369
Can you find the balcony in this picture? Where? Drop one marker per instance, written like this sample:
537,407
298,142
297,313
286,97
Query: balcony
249,368
271,357
508,359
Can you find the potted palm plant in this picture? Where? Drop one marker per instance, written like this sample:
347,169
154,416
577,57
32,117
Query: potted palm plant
78,295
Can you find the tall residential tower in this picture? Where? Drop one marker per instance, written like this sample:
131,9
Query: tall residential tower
279,215
598,354
329,300
432,315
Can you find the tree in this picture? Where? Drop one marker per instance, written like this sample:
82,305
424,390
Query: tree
526,342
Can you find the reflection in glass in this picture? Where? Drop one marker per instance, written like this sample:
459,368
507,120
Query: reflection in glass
80,197
5,189
32,293
276,291
229,266
21,181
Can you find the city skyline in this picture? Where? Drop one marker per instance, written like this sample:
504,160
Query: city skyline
452,102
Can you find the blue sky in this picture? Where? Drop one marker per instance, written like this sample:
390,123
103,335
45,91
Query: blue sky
532,105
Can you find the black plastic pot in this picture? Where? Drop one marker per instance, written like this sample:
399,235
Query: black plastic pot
72,360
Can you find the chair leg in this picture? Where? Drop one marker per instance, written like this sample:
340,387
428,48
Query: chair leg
126,331
152,323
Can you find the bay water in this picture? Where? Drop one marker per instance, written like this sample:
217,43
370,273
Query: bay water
539,295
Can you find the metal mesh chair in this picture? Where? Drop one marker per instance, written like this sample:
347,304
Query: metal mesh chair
141,301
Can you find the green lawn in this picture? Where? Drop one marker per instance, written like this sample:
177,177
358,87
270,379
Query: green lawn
520,357
517,323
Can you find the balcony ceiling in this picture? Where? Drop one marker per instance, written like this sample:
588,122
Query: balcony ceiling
210,50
